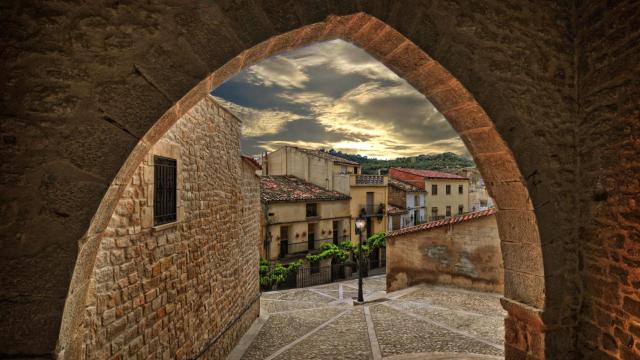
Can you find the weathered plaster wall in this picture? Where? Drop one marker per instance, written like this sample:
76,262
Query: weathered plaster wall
169,291
609,151
466,254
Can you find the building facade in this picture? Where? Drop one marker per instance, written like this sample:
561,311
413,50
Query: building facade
479,198
189,216
448,194
368,193
407,205
300,217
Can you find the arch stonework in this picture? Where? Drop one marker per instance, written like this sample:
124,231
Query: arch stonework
524,278
88,88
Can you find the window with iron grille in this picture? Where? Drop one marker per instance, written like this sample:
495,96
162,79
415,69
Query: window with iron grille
165,179
460,189
460,209
448,189
434,189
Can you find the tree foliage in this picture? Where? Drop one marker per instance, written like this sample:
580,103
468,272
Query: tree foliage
273,274
344,250
443,161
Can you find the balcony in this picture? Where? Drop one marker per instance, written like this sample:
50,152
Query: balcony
370,210
368,180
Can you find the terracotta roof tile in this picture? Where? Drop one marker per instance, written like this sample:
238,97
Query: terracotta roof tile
438,223
431,174
283,188
399,184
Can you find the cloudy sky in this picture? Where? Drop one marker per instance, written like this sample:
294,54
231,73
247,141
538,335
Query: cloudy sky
334,95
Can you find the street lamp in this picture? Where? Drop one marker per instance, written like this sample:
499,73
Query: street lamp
360,224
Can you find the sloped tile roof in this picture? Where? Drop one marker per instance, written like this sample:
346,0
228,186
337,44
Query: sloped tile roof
439,223
399,184
431,174
284,188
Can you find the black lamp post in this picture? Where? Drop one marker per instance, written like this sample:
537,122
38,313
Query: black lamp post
360,224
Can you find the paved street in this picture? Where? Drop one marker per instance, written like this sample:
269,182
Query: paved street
423,322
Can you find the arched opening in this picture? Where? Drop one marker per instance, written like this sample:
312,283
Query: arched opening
522,253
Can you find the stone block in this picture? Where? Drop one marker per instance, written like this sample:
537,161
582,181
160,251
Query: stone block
525,288
518,226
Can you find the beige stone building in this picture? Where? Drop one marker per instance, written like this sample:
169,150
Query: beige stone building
479,198
300,217
368,193
175,275
447,194
462,250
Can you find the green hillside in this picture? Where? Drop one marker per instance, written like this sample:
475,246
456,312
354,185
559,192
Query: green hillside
441,161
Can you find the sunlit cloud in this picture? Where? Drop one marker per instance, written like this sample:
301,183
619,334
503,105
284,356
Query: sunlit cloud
278,71
259,122
333,95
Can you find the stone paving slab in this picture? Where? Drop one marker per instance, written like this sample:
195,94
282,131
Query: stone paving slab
281,329
424,322
399,333
346,338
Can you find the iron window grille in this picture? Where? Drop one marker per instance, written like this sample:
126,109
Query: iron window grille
165,179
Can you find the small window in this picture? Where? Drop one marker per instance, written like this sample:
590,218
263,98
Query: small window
434,213
314,267
460,189
434,189
447,189
312,210
448,210
460,209
164,197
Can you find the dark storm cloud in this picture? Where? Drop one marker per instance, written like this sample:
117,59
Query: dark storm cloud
334,95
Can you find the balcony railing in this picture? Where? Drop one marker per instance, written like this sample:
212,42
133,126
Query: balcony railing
369,179
377,210
439,217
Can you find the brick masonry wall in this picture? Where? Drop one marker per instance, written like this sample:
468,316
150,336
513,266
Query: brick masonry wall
168,291
466,254
609,148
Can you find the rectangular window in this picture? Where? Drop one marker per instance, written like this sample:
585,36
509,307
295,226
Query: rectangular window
448,211
448,189
460,189
434,213
434,189
416,201
460,209
312,210
164,196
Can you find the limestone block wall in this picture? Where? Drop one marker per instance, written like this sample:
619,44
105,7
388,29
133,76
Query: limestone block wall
466,254
187,288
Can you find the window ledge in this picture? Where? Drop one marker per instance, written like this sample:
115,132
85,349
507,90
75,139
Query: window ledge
166,226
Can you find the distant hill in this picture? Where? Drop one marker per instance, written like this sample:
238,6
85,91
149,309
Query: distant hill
447,160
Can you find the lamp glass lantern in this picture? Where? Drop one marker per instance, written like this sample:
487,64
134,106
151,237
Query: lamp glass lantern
360,223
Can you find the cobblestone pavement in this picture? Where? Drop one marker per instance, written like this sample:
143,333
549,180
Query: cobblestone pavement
422,322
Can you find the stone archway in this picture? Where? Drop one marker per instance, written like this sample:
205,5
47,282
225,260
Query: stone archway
523,256
82,85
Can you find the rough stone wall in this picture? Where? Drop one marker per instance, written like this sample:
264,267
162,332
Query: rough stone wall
169,291
609,150
466,254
